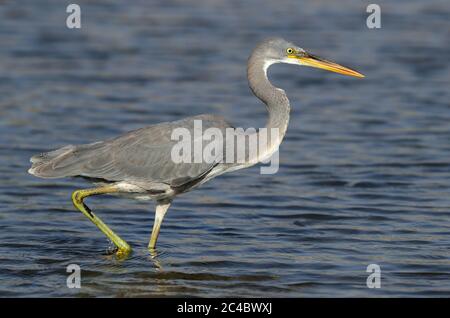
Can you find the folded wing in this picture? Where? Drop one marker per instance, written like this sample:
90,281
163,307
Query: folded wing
141,156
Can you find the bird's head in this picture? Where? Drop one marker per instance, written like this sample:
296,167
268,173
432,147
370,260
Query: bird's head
278,50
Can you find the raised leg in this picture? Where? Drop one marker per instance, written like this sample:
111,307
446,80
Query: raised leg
78,196
161,209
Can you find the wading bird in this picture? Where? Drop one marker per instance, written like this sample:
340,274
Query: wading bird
139,162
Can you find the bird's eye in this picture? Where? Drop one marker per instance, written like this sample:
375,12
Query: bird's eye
290,50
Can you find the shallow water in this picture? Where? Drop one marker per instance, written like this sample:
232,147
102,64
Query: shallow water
365,169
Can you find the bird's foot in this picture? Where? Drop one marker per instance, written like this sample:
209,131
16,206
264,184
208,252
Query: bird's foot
120,252
123,253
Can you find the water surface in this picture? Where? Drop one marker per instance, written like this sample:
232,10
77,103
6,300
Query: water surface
365,169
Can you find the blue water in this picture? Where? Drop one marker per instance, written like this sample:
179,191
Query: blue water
365,166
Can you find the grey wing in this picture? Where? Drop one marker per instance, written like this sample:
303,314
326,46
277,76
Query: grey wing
143,156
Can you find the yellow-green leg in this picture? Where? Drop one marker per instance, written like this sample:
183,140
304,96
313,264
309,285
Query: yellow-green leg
78,196
161,209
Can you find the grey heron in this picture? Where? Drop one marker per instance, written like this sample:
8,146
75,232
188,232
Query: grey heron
139,162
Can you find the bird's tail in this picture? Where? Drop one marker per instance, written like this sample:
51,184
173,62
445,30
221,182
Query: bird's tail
44,165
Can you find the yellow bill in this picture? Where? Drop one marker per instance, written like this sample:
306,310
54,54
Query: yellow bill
315,61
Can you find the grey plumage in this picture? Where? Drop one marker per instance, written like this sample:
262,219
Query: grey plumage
140,162
143,157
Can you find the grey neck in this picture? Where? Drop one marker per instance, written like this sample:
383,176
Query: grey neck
275,98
